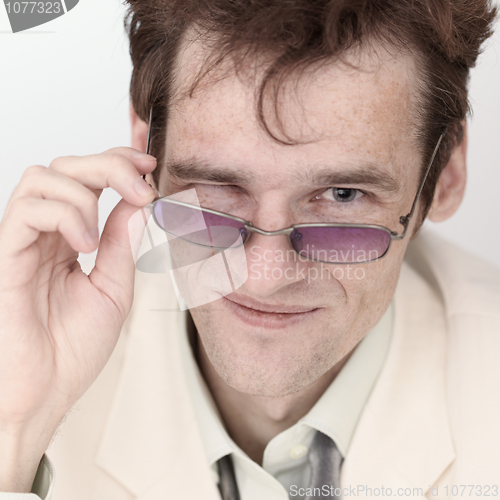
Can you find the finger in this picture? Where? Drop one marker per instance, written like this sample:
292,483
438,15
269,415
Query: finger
119,168
41,182
114,267
28,217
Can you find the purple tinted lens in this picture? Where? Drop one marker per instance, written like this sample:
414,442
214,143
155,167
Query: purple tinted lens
343,245
199,227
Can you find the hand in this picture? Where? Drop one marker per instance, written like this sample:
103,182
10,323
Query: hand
58,326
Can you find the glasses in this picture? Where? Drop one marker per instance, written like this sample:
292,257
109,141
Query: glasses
327,243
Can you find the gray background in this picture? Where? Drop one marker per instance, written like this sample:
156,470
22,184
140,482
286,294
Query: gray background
64,90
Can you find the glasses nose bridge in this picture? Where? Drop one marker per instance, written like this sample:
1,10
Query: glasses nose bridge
286,231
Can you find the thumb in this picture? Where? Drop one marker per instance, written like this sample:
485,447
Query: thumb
114,269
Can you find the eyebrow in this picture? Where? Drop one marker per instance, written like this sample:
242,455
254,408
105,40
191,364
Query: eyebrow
195,169
363,175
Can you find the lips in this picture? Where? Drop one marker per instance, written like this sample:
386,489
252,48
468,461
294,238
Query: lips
267,316
250,303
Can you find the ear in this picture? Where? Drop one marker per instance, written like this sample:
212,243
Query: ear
451,184
139,136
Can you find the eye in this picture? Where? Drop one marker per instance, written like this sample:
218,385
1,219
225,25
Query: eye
341,195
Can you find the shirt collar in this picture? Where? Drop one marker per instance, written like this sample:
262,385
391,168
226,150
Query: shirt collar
337,412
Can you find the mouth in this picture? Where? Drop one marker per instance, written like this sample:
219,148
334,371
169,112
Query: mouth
268,316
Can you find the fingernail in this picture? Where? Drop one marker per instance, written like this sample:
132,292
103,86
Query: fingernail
142,188
92,236
143,156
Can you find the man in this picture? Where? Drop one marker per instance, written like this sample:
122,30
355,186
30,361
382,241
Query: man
316,376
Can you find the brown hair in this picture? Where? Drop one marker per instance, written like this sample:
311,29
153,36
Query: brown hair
445,36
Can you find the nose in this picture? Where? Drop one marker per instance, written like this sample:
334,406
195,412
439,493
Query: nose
272,264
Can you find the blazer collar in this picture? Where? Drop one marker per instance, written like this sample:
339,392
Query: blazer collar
403,438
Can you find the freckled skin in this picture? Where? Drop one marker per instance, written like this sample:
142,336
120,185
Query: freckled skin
346,117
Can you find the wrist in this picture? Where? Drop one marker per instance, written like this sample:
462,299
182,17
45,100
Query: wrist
22,446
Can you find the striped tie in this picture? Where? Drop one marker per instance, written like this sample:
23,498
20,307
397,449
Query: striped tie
324,458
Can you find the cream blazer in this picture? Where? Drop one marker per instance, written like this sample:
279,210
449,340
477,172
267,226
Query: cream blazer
432,420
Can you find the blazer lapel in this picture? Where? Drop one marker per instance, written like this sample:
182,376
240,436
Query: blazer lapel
151,442
403,439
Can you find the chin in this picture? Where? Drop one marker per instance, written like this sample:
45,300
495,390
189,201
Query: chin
262,363
268,381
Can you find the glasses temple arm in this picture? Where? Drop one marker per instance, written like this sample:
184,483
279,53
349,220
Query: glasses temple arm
148,140
405,219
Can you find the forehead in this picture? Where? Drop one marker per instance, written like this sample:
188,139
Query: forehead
360,108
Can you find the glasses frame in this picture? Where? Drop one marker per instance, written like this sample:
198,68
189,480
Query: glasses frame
404,220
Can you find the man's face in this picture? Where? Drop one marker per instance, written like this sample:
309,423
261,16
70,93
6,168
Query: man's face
292,320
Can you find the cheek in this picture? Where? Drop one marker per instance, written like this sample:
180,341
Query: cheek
369,287
382,277
368,279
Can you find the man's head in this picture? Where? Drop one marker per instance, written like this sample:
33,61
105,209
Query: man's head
263,107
